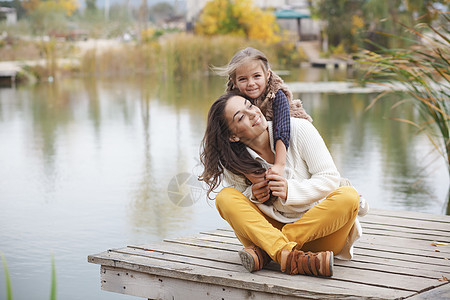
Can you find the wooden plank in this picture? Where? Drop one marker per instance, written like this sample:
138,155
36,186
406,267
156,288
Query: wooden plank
211,258
402,243
441,292
393,264
363,253
416,234
410,215
206,243
406,223
402,269
430,252
426,251
157,287
381,258
397,229
188,254
426,248
409,282
403,234
262,281
224,232
422,262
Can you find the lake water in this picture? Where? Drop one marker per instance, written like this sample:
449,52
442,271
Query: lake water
85,166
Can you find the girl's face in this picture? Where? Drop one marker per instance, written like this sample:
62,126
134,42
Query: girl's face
251,79
245,120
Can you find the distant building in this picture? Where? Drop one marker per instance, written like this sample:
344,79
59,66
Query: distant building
308,30
8,15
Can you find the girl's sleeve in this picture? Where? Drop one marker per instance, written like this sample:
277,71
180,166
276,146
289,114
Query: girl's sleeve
281,119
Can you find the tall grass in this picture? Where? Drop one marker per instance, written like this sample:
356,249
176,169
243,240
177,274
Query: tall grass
53,286
173,55
53,295
7,278
424,70
179,55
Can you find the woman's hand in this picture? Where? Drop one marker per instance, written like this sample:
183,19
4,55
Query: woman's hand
278,185
261,190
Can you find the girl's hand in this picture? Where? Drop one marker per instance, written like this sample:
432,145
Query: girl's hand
278,185
261,191
276,170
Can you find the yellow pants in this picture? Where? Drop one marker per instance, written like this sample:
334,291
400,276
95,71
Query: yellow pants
324,227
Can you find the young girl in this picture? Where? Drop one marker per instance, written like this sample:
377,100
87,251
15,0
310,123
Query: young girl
249,72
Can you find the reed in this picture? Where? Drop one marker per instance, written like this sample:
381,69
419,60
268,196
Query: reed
53,294
180,55
424,71
7,278
53,286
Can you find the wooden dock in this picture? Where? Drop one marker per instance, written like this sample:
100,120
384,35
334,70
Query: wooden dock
331,63
401,255
8,75
312,51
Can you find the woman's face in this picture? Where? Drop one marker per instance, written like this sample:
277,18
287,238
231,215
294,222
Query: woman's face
245,120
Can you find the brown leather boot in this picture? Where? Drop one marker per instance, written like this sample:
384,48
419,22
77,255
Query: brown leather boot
254,258
307,263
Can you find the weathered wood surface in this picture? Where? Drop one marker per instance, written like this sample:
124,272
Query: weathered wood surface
396,258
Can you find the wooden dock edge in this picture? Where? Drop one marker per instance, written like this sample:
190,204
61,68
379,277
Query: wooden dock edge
207,266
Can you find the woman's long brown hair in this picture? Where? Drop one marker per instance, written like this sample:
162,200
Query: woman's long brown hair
219,153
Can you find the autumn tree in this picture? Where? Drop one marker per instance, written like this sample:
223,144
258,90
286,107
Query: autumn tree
349,23
342,19
68,7
91,7
239,18
49,15
161,11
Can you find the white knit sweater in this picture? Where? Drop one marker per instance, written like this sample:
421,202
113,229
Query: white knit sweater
311,175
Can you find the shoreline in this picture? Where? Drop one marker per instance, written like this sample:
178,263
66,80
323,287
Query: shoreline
17,67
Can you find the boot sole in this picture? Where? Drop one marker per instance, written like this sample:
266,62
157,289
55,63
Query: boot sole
247,260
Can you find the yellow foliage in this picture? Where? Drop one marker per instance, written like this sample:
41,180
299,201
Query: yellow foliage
262,26
67,6
147,34
237,18
339,49
30,5
213,13
357,23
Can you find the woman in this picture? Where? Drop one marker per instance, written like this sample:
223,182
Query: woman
276,217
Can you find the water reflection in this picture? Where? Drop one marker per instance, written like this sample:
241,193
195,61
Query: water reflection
85,166
169,121
150,211
394,165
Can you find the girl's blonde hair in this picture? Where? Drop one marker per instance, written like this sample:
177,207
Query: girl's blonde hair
240,58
